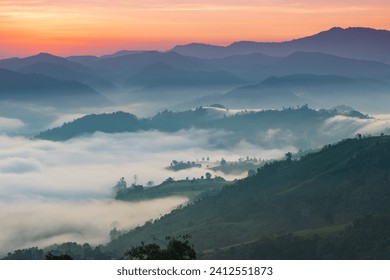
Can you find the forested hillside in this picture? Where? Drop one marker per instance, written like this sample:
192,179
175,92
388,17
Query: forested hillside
270,128
334,186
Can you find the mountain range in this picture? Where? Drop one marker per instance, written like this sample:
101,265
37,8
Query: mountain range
58,68
197,74
353,42
46,90
161,74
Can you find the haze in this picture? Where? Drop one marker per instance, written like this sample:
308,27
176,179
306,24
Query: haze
44,185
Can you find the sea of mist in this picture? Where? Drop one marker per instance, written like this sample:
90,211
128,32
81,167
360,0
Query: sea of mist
54,192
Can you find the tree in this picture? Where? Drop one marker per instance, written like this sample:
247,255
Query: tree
50,256
177,249
208,175
135,179
114,233
26,254
169,180
138,187
121,184
251,172
150,184
288,156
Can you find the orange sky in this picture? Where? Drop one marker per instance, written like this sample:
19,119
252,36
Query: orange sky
66,27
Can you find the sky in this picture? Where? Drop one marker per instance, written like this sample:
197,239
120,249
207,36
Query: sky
71,27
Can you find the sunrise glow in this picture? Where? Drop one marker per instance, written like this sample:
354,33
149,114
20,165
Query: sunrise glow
99,26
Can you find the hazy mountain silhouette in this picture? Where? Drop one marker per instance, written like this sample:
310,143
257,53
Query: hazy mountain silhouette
120,68
353,42
297,89
323,64
129,63
161,74
123,52
63,72
242,64
301,85
135,76
83,59
57,67
17,63
43,89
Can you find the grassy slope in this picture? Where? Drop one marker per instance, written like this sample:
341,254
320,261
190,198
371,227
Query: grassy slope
333,186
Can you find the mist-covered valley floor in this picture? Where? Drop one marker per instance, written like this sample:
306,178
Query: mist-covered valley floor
56,192
52,192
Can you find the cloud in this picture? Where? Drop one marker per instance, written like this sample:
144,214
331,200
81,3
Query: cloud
21,117
339,127
10,124
19,165
45,185
90,166
276,137
53,192
43,222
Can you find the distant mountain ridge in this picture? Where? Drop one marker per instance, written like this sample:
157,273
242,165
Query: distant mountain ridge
161,74
58,68
310,85
352,42
16,63
318,90
301,62
199,74
41,89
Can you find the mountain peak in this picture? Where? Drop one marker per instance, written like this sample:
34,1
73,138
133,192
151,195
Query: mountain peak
45,55
352,42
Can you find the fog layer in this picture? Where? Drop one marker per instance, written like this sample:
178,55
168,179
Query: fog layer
53,192
43,222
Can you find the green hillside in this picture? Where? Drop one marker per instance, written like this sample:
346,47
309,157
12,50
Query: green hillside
339,184
193,189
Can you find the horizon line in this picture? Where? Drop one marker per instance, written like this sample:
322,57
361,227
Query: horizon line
174,45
